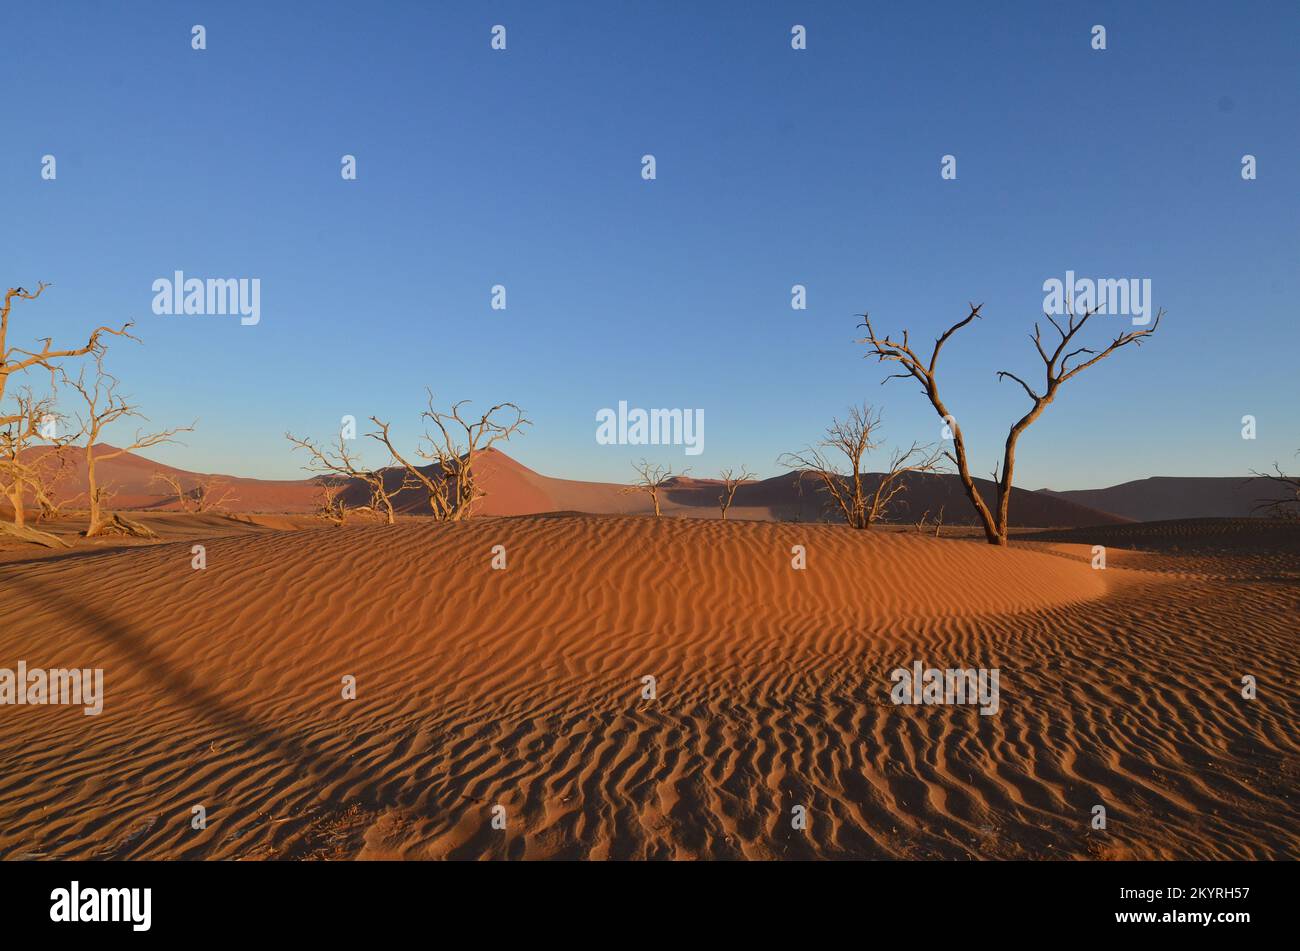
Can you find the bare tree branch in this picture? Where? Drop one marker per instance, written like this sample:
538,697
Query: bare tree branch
846,486
652,479
201,496
451,481
329,506
344,462
15,360
731,481
24,472
1057,371
104,406
1288,506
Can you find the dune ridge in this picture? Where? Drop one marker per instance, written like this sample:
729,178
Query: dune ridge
514,489
522,688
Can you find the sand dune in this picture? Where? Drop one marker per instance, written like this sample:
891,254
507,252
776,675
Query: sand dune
131,478
1246,548
1176,497
514,489
522,687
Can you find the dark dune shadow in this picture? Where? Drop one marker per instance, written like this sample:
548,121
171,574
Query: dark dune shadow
266,738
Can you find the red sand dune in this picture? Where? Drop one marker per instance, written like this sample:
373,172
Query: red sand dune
131,477
514,489
1173,497
522,688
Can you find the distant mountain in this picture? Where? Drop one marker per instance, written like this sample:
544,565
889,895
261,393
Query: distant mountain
514,489
790,498
1171,497
130,480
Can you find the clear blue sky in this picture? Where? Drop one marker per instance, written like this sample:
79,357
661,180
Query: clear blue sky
775,167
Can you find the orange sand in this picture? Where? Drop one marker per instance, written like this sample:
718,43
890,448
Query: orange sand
522,687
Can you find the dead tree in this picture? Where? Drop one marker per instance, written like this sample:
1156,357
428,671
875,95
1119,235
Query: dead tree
453,448
48,474
731,481
920,523
104,406
202,496
16,360
938,521
20,427
846,485
181,493
17,436
21,472
852,438
345,463
330,506
1288,506
652,479
207,499
915,459
1057,371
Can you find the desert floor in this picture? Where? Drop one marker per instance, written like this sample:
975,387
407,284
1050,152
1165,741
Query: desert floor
522,688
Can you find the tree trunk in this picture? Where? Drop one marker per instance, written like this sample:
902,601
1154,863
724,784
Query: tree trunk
991,534
387,503
96,522
16,500
96,514
1009,468
32,535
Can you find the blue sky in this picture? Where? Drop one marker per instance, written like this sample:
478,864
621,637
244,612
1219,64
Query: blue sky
775,167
